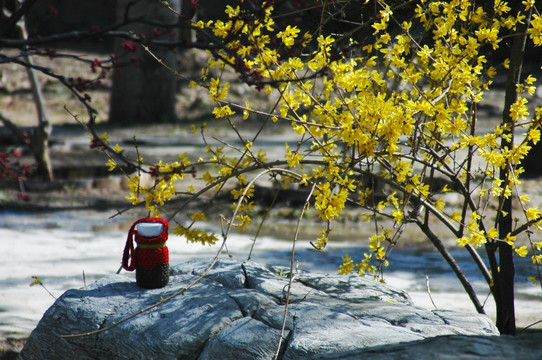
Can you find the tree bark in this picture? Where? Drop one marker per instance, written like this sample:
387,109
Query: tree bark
504,279
143,89
39,142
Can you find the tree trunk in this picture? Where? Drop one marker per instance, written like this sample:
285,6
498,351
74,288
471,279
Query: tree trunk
143,89
39,142
504,279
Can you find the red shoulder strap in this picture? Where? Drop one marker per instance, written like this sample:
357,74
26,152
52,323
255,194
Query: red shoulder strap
128,253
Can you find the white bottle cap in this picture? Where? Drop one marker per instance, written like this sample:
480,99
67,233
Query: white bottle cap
150,229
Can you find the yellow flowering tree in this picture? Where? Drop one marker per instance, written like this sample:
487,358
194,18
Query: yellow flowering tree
386,117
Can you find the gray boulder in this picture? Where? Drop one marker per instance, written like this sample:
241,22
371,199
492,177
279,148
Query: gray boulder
237,311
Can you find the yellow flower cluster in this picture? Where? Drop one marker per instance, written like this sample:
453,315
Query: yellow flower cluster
398,108
400,105
196,235
163,190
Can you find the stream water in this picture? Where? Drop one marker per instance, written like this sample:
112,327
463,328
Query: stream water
68,249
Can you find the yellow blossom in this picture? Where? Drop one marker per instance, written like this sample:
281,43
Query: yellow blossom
532,213
117,148
199,216
111,165
521,251
289,35
224,111
347,266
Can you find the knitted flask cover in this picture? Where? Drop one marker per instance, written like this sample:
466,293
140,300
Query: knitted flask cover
151,257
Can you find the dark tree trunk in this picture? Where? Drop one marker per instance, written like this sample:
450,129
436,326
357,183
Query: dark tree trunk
504,278
143,89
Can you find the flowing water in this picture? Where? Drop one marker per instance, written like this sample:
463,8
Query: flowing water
69,249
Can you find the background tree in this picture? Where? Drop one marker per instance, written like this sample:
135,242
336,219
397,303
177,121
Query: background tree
38,140
54,25
144,89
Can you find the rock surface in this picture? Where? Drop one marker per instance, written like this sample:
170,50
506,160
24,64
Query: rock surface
237,311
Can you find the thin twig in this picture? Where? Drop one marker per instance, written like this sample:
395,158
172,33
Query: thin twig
292,277
529,326
262,222
453,264
428,288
